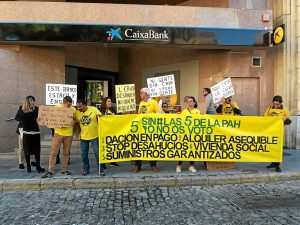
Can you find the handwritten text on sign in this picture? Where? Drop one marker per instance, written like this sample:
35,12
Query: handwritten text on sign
125,98
222,89
55,117
56,92
164,85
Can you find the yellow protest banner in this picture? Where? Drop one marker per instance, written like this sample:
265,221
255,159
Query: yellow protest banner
190,138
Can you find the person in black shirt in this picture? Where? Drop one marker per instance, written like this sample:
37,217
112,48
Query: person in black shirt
28,115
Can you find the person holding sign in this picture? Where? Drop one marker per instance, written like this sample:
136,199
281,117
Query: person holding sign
28,115
147,105
87,117
278,110
191,105
228,107
107,109
63,135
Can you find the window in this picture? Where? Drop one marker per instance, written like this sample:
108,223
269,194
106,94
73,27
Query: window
256,61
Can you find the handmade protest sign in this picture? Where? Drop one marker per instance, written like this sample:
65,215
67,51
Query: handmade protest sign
222,89
56,92
125,98
192,137
161,86
55,117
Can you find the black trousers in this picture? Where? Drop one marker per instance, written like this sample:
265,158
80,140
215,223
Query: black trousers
180,163
32,146
139,163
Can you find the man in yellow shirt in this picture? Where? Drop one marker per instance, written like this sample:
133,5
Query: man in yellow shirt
87,117
147,105
228,107
63,136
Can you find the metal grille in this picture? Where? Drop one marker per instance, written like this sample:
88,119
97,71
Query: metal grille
252,202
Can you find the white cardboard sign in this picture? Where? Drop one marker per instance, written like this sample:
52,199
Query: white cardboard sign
164,85
222,89
56,92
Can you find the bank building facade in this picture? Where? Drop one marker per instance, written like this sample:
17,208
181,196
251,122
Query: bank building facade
97,44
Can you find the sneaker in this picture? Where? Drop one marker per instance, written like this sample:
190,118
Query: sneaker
136,169
192,169
66,173
85,172
114,164
270,166
155,169
102,173
40,169
178,169
278,169
21,166
48,175
33,163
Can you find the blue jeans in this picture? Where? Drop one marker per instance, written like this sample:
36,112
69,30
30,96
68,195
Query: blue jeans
210,112
85,153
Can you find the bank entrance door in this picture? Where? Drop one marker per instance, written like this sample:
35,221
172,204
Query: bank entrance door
92,85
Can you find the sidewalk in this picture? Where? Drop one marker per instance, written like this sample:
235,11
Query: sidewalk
13,178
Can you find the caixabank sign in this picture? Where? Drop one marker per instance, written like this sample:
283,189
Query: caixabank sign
108,34
138,34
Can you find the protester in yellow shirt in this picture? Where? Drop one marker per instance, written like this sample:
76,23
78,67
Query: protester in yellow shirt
87,117
228,107
278,110
147,105
63,136
191,105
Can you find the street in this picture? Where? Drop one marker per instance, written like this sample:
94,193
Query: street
261,203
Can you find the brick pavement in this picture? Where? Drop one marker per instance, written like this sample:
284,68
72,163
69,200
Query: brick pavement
12,178
254,204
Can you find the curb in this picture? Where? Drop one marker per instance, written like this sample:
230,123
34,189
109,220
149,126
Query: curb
143,182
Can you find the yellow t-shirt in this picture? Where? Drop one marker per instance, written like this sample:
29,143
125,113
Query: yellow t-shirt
150,106
88,123
277,112
65,131
228,110
193,111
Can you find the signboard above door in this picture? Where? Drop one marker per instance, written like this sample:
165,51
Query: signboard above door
124,34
